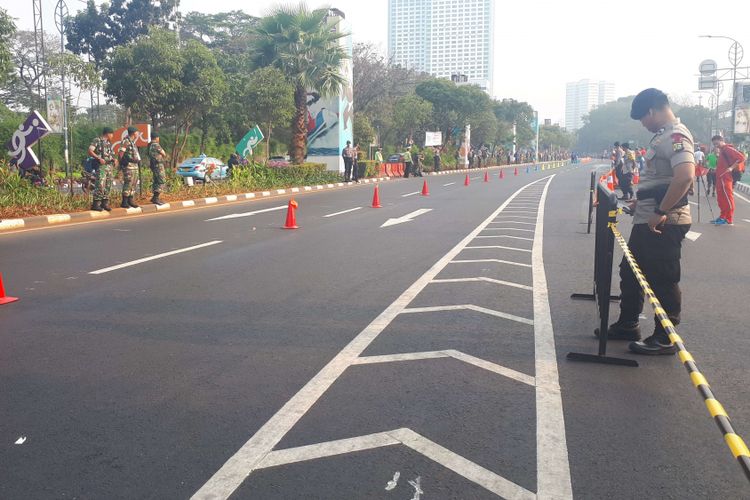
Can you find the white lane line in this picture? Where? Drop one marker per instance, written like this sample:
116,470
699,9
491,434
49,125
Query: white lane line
499,247
154,257
483,278
553,467
514,222
738,195
509,229
693,236
468,307
449,184
245,460
450,353
506,236
407,437
693,203
479,261
247,214
410,194
746,220
343,212
517,217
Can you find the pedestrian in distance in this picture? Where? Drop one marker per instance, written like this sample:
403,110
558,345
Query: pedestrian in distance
661,219
157,156
627,171
407,163
130,159
101,151
712,159
619,154
729,168
437,159
348,155
378,158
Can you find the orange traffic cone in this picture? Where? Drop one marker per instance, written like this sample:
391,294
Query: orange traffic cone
376,198
4,299
486,177
515,171
636,176
291,216
467,182
502,173
610,181
425,189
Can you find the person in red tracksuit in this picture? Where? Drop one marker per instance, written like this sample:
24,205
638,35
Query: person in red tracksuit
730,162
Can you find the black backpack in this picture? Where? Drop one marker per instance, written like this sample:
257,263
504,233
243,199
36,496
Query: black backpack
91,165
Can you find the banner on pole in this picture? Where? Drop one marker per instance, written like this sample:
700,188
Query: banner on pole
142,137
55,113
248,143
28,133
433,139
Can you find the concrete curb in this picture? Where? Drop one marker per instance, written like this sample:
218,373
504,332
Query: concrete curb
745,188
39,221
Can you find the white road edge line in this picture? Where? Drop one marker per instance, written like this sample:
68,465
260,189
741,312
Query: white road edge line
154,257
247,459
552,463
738,195
343,212
410,194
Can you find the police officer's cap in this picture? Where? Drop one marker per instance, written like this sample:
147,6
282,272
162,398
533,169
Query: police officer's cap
154,135
647,100
132,130
107,130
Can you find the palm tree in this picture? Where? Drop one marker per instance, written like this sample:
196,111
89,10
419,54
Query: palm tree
306,47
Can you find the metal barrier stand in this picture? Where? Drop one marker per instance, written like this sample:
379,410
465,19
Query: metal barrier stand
606,217
734,442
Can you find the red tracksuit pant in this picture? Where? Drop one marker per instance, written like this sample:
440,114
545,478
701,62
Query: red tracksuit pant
725,195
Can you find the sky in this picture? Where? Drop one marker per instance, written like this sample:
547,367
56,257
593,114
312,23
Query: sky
541,44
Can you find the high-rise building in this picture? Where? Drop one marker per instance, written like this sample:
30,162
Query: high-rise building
583,96
444,38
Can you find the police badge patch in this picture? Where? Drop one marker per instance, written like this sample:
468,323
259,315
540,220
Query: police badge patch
677,144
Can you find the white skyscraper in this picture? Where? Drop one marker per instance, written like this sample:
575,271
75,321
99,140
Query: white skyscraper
583,96
444,37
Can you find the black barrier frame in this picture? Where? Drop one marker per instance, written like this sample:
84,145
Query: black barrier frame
606,216
592,189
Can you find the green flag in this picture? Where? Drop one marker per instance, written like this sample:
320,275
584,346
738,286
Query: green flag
251,139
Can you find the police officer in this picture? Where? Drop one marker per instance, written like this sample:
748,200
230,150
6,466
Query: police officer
661,221
157,156
129,159
101,150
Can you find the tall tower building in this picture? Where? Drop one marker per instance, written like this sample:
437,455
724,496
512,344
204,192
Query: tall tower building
583,96
444,38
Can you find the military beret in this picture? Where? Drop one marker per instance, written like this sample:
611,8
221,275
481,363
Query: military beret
647,100
132,130
107,130
154,135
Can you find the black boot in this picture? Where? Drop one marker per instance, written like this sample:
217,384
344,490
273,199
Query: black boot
131,202
155,199
622,331
124,203
105,205
96,206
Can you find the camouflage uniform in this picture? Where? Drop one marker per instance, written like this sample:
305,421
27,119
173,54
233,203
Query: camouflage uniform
104,174
157,154
129,171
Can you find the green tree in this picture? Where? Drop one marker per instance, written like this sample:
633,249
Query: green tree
509,111
609,123
306,47
364,132
484,128
554,137
269,98
698,120
7,31
411,114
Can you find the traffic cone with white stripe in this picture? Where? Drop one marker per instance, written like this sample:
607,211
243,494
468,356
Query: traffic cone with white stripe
610,181
4,299
291,216
376,198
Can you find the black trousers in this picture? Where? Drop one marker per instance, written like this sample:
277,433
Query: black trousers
407,169
348,169
711,180
658,256
626,185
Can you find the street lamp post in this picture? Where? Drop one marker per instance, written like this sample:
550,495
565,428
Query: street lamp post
736,53
61,15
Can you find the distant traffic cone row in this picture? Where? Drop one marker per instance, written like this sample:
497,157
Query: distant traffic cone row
376,197
291,215
425,189
4,299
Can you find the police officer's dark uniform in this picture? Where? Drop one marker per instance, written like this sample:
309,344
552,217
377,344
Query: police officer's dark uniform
658,255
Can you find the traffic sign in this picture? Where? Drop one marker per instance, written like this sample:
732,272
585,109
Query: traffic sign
708,67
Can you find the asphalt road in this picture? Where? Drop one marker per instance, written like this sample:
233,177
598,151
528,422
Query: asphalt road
329,361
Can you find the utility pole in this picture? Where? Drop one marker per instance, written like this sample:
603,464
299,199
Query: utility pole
61,15
40,61
536,147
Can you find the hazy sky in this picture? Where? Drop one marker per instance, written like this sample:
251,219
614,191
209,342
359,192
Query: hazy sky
541,45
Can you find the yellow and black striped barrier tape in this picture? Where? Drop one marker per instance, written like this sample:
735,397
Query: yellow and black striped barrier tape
718,413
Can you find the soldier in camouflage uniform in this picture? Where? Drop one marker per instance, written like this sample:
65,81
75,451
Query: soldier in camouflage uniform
129,160
101,150
157,155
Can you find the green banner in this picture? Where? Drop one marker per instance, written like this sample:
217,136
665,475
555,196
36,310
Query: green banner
251,139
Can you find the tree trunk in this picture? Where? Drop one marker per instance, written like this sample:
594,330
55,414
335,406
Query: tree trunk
128,116
268,142
184,140
204,136
299,126
174,148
